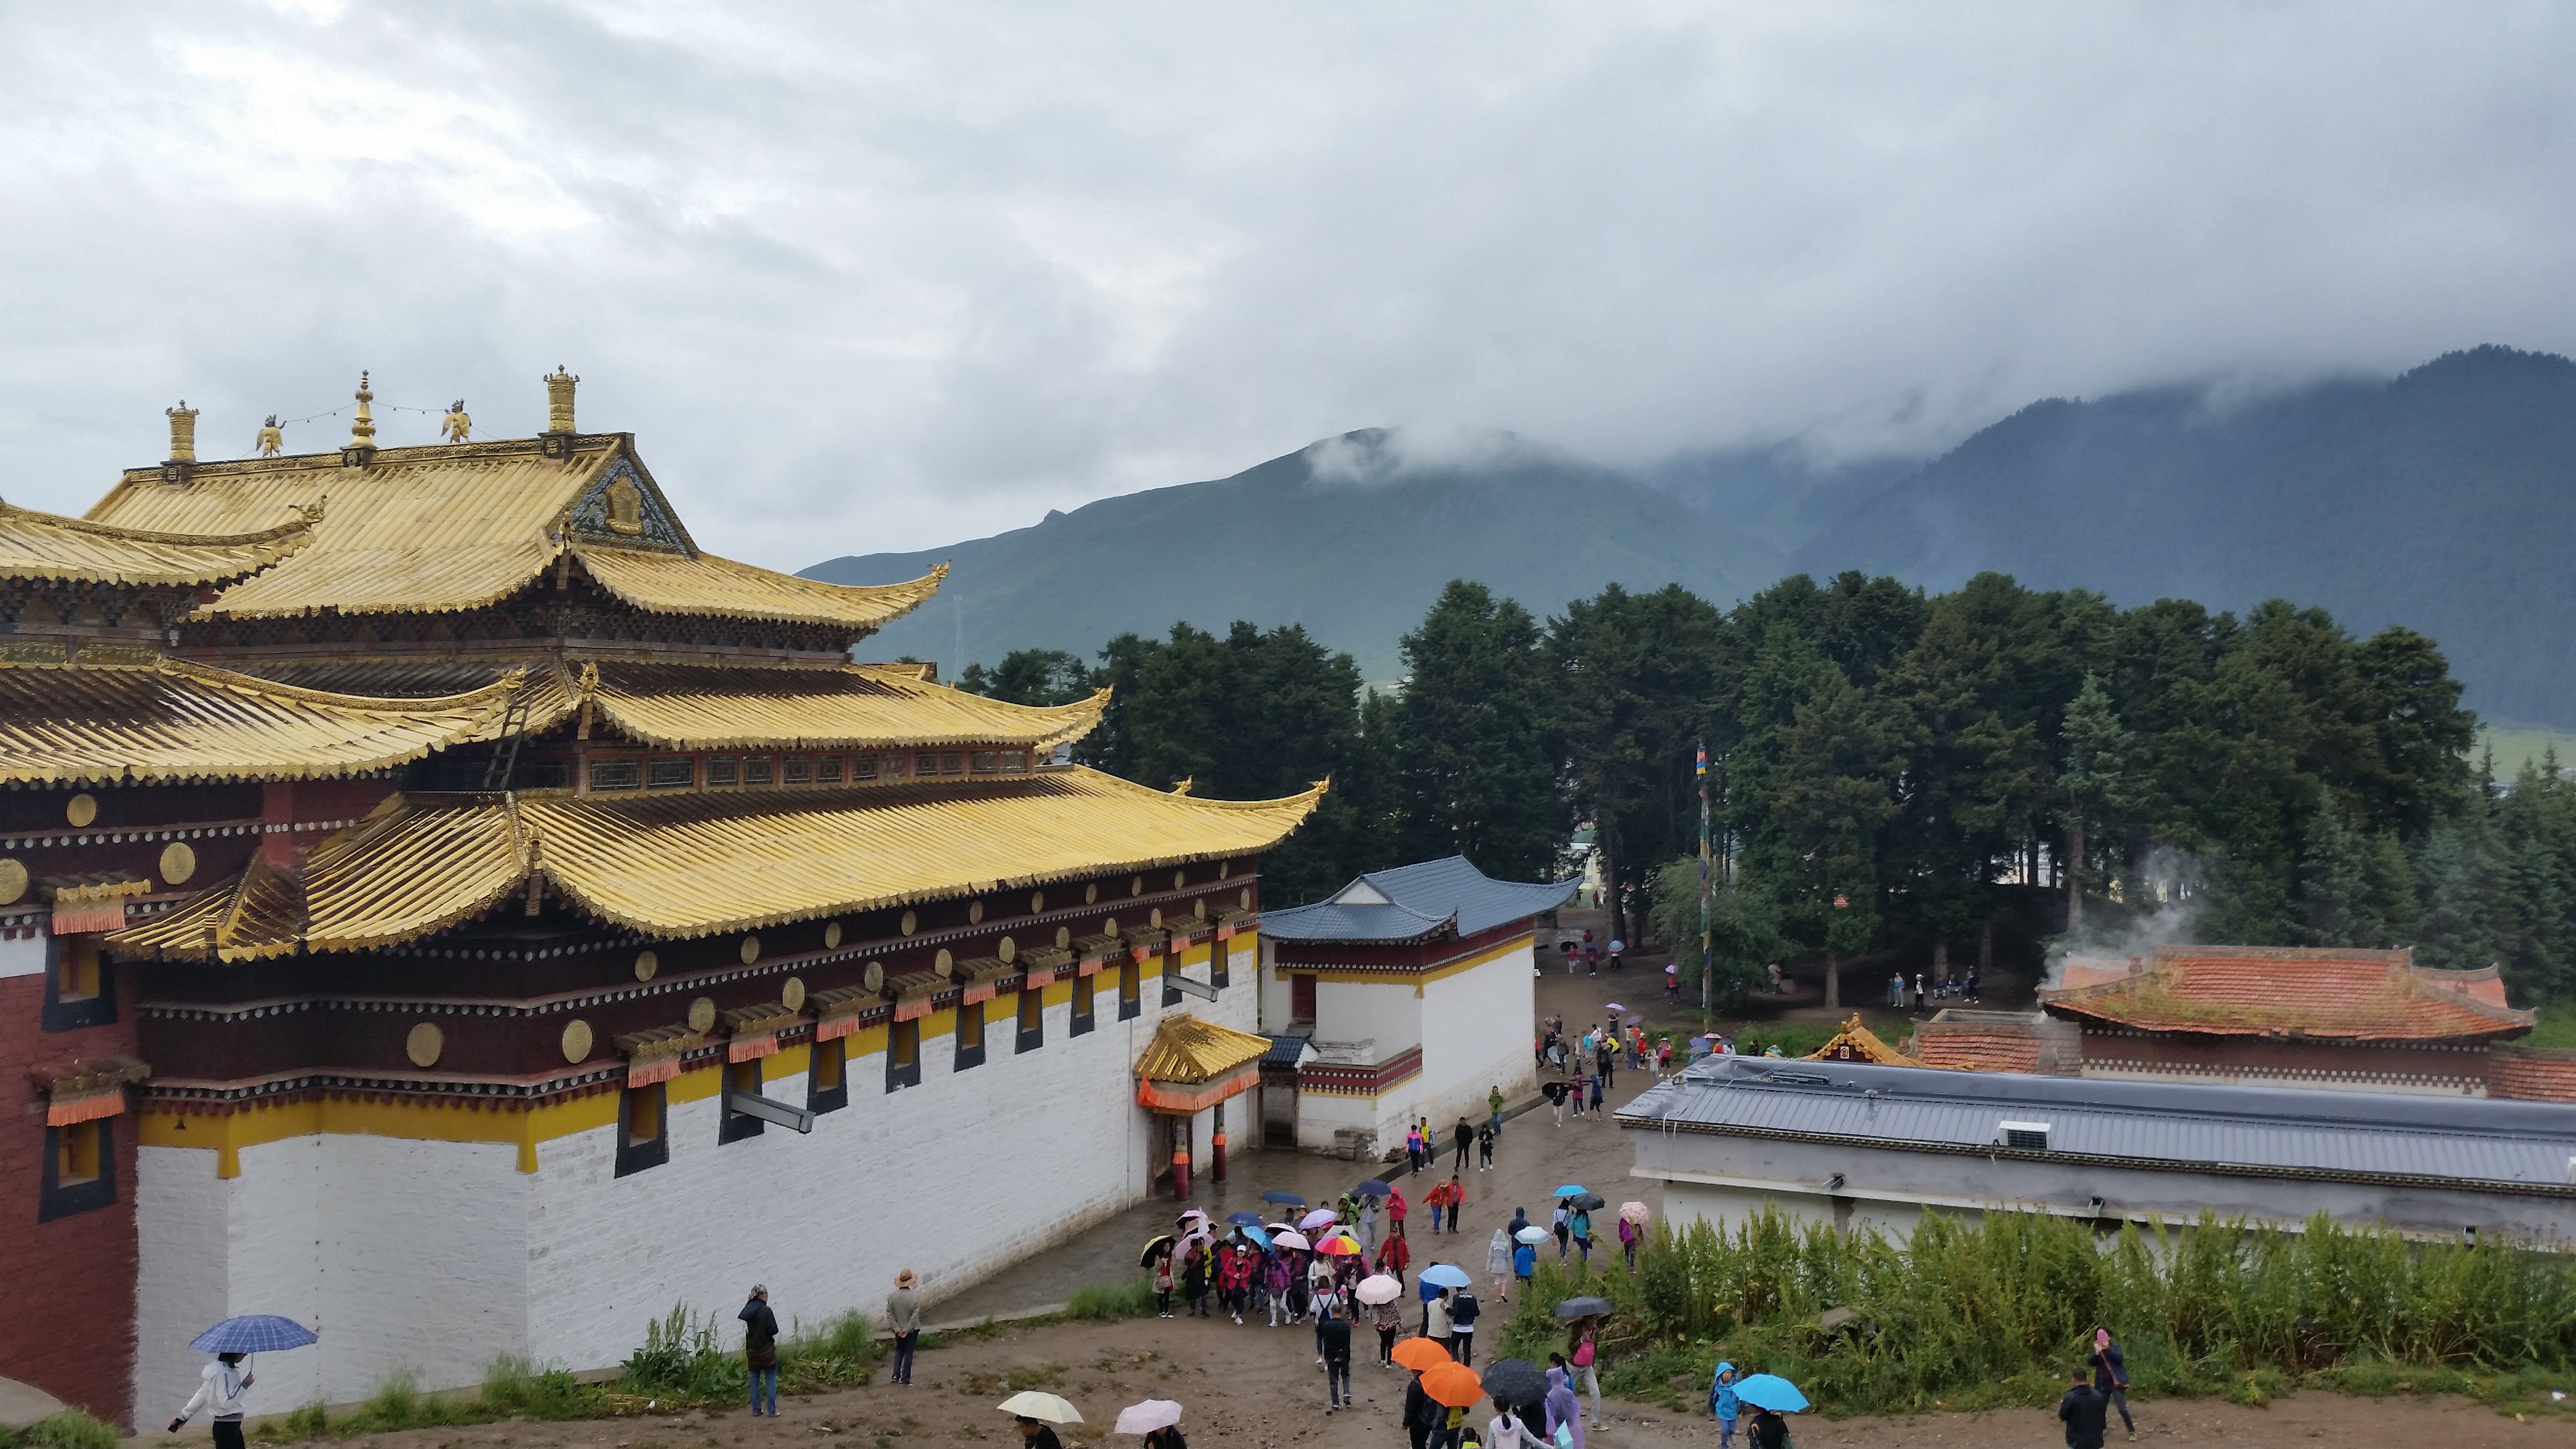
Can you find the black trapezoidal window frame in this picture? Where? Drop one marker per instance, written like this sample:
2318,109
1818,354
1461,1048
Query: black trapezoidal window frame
733,1126
1131,988
820,1098
633,1156
58,1199
1084,1016
903,1037
79,1012
970,1057
1220,963
1031,1032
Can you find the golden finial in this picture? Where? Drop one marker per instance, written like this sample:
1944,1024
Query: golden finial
458,426
272,438
183,432
360,450
559,400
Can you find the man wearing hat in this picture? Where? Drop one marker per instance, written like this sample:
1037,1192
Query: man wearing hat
760,1349
903,1320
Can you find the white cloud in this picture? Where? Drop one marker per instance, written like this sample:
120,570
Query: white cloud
885,276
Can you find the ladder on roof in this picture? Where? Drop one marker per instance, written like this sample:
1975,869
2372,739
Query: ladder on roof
505,750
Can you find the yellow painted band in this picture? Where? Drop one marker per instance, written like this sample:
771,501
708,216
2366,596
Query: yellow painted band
1394,977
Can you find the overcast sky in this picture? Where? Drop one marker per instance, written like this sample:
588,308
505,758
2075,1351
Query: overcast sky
867,277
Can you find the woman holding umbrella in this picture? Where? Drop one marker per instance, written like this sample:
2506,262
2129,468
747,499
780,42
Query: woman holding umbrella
228,1378
1564,1411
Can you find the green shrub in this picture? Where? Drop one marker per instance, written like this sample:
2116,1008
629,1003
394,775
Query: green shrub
69,1429
680,1361
840,1354
513,1385
1111,1300
1969,1314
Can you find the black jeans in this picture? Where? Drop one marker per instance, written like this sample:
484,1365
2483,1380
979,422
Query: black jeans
228,1434
1386,1345
2120,1400
1462,1347
904,1343
1337,1381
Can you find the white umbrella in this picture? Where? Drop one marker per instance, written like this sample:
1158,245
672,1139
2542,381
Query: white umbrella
1147,1417
1533,1234
1316,1219
1290,1238
1030,1404
1378,1288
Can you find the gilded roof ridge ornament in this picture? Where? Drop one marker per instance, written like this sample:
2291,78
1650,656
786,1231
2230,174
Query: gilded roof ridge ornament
559,431
183,432
272,438
458,426
360,450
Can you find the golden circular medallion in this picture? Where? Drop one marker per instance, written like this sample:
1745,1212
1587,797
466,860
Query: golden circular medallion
424,1044
178,862
1136,887
1063,937
81,809
944,964
1246,898
793,993
646,963
1009,950
1037,902
1109,927
1224,868
832,936
909,923
975,913
1091,893
702,1016
1199,907
1155,919
13,881
576,1041
750,949
874,980
1180,880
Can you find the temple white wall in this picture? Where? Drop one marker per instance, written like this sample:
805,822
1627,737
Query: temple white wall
1385,1015
1477,1028
440,1256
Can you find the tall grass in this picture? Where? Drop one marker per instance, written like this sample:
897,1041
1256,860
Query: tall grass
1111,1300
63,1429
1995,1310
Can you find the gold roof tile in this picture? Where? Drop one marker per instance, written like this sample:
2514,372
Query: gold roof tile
1188,1049
694,707
463,526
176,720
74,550
700,864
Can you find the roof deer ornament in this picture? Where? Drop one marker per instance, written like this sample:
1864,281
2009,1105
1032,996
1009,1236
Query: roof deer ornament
458,427
272,438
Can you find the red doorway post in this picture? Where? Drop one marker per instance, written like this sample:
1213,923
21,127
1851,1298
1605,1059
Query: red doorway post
1181,1134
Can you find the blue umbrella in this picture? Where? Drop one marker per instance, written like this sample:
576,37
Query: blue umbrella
253,1333
1259,1238
1770,1391
1446,1275
1571,1189
1371,1188
1290,1198
1244,1220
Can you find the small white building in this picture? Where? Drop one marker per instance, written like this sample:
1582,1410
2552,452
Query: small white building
1405,995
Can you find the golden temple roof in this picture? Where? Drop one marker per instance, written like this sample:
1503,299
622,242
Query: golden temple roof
464,525
685,707
175,720
696,864
73,550
1863,1044
1189,1049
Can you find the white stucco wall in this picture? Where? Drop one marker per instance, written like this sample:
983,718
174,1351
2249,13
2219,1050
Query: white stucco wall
440,1256
1476,1032
22,955
1727,1207
1388,1015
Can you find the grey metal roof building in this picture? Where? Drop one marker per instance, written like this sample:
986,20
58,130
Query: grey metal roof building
1883,1143
1413,902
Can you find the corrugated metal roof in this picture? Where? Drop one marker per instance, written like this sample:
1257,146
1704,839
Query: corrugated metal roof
1410,902
2177,1125
697,864
175,720
74,550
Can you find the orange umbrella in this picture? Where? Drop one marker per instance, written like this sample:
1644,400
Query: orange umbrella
1453,1384
1422,1353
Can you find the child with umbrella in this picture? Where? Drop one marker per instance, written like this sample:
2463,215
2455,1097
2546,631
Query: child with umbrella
228,1378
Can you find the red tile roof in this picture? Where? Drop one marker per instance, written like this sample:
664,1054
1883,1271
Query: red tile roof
2533,1074
2287,991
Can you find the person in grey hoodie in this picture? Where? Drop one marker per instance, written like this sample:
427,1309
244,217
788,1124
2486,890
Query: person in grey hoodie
903,1320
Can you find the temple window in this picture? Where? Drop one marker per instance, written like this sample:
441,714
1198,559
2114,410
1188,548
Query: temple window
863,767
642,1140
1131,987
758,771
80,985
827,1080
952,762
723,773
796,772
742,1079
970,1035
1032,1019
903,1055
827,770
988,762
1217,962
672,772
616,774
1015,762
80,1169
1082,1018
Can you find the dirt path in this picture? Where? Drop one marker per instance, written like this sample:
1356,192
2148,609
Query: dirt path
1258,1388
